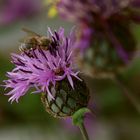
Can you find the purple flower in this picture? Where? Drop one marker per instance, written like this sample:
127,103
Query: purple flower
136,15
85,10
84,39
136,3
41,68
12,10
104,19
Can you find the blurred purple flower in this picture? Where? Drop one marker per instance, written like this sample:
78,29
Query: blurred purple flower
12,10
136,3
85,10
41,68
136,15
84,39
102,17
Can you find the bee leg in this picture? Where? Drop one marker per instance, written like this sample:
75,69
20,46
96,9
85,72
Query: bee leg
21,49
44,47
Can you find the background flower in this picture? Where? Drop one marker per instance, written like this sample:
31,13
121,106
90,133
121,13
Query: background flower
12,10
86,10
105,32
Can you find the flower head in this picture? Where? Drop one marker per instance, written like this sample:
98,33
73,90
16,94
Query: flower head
17,9
105,32
42,69
85,10
108,19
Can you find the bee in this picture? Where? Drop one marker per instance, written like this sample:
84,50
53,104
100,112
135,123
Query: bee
34,41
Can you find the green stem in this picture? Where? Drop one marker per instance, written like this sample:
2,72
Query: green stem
83,131
127,93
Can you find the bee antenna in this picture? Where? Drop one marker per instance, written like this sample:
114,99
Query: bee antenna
29,31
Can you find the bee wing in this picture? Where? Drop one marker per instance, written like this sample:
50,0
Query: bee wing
21,40
30,33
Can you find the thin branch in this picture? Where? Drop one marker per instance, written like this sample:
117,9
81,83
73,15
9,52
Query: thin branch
83,131
127,93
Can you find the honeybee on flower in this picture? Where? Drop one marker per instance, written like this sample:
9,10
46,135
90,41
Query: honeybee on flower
34,41
51,72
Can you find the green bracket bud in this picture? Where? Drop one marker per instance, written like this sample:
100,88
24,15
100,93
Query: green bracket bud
78,116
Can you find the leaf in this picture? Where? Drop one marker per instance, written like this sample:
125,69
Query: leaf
78,116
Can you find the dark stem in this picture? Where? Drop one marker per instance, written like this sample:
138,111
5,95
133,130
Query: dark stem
127,93
83,131
116,43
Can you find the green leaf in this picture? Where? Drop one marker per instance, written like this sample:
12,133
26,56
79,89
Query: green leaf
78,116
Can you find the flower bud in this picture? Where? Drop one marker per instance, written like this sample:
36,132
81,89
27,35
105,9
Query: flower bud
66,99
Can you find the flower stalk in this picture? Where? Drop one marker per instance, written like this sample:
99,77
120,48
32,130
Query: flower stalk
83,131
127,93
78,120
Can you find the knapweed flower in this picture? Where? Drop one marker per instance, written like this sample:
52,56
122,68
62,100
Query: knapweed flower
12,10
87,10
51,71
105,32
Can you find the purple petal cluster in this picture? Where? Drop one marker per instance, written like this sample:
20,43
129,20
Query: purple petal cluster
41,68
